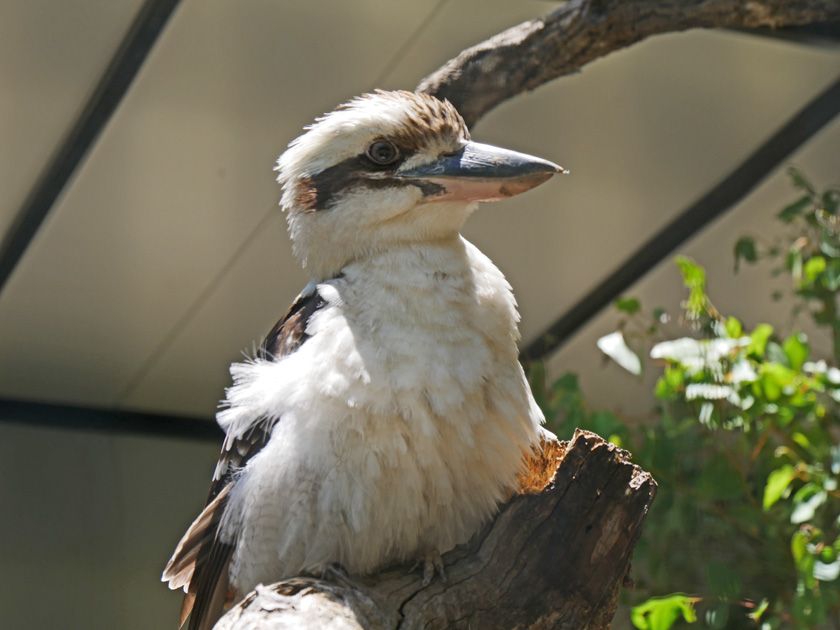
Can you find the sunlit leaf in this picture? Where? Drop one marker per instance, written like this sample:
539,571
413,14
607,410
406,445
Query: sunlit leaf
670,383
742,372
806,501
697,353
733,328
694,279
758,339
777,482
660,613
759,610
614,346
708,391
799,545
812,268
796,350
826,572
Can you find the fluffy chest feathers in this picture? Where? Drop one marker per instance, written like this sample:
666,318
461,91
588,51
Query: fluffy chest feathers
401,421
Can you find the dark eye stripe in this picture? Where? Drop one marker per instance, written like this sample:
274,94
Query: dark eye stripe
320,191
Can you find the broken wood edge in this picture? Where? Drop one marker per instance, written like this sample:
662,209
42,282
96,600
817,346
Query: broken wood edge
555,557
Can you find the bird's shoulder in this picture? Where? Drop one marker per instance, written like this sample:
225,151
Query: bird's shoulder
289,333
200,560
286,337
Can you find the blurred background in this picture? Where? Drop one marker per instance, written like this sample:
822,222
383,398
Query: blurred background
164,257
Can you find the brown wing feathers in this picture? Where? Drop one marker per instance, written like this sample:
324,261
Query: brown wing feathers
200,562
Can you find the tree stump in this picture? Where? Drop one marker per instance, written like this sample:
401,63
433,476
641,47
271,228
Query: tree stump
556,556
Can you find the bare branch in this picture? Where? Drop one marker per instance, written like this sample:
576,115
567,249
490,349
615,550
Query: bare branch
524,57
554,559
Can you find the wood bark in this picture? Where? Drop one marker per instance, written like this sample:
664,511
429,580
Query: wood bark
526,56
556,556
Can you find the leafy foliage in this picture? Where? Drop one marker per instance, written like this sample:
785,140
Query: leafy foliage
744,445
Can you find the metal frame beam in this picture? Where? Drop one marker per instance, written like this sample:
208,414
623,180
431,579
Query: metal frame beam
44,415
100,107
720,198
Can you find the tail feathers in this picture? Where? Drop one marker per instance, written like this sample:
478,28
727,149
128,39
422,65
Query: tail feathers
199,566
186,608
209,604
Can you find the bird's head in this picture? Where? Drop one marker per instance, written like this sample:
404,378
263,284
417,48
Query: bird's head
391,168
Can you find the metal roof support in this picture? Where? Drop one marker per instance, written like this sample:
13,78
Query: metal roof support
43,415
721,198
112,87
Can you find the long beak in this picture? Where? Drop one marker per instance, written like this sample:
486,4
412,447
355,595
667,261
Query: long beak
481,172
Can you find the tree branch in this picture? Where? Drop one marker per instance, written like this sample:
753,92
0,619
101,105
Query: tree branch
524,57
553,559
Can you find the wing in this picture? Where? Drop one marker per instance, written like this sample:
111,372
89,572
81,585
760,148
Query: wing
200,562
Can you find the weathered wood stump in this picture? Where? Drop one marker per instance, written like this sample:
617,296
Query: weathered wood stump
556,556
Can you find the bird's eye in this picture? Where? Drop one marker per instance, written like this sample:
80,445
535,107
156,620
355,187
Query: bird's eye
382,152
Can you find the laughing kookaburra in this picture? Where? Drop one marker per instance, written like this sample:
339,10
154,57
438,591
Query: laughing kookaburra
386,415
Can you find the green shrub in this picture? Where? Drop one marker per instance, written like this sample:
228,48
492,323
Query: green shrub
744,444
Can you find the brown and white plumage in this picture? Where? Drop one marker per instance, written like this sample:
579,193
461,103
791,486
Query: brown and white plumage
386,414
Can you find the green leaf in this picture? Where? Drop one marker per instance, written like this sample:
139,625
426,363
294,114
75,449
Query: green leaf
775,354
670,383
733,328
745,248
759,610
567,383
801,182
831,200
796,350
777,482
694,279
630,305
759,339
831,279
829,249
790,212
660,613
812,268
799,545
809,608
774,378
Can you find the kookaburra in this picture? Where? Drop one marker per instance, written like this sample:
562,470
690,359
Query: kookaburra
386,415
